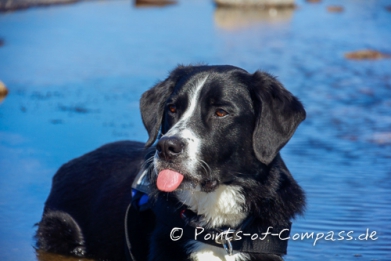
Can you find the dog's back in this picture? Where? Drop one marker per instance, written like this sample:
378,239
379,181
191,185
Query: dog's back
86,207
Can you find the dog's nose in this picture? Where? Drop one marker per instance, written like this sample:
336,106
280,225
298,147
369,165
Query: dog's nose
170,147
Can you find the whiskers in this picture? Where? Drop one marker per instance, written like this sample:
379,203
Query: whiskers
147,162
206,168
149,167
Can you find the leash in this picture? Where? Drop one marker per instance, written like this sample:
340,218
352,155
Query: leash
128,246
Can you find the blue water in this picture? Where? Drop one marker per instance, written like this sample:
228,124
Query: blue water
75,74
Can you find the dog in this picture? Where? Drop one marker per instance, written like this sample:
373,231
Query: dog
211,164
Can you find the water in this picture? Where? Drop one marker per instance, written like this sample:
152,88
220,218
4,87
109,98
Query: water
75,74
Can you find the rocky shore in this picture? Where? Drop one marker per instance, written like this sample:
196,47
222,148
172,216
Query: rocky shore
256,3
12,5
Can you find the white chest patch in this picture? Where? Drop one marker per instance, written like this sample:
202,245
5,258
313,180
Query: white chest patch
220,207
203,252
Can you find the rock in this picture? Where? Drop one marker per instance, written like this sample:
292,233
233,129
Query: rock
335,9
11,5
3,91
142,3
365,55
257,3
381,138
313,1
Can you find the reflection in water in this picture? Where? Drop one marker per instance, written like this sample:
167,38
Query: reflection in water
239,18
44,256
3,91
256,3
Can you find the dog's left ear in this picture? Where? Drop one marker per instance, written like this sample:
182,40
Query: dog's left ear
278,114
152,104
153,101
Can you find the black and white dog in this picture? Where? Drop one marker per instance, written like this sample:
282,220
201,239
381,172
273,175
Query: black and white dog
215,167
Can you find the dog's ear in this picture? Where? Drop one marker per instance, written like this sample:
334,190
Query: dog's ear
278,113
152,103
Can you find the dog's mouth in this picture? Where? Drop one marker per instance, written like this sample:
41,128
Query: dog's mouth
209,185
169,180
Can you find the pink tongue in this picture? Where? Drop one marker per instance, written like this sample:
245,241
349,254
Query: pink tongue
168,180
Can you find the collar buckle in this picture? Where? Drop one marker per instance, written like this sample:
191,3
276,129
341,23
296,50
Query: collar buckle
225,240
228,247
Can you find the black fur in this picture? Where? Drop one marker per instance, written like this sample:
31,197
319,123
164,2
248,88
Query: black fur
92,191
84,213
67,237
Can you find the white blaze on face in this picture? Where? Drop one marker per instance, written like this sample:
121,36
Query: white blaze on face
181,128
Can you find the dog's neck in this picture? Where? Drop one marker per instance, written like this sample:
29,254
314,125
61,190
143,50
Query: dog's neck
222,207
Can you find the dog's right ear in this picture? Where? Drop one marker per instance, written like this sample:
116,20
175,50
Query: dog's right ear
153,101
278,114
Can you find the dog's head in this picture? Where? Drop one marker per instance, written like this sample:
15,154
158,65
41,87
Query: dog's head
216,124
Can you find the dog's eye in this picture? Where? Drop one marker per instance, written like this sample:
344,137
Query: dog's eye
172,108
221,113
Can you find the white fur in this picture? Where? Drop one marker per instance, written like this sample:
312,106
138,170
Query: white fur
222,207
193,149
194,101
203,252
